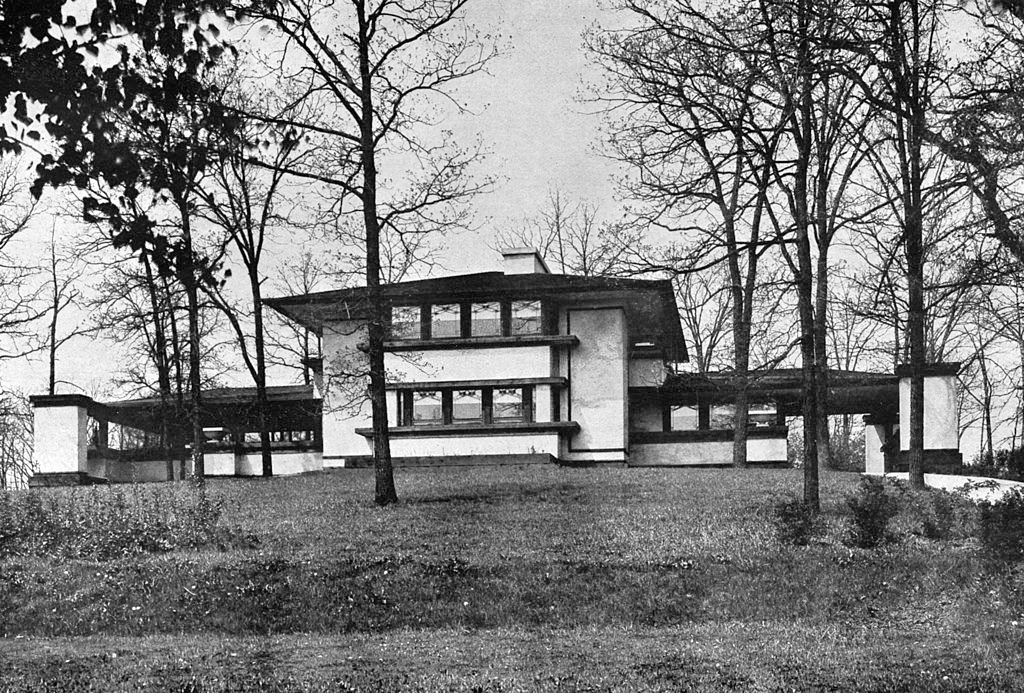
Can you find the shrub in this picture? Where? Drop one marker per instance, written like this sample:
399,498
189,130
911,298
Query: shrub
104,523
1003,464
871,511
1002,528
794,522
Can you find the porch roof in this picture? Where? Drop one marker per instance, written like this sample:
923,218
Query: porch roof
289,407
850,392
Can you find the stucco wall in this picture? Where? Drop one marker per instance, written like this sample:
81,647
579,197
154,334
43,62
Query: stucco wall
469,364
344,408
941,421
711,452
285,463
541,443
646,372
136,472
60,439
597,372
874,459
645,416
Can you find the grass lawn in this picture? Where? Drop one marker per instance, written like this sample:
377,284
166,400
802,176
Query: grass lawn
519,578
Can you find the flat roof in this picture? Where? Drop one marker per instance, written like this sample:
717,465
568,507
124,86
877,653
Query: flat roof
850,392
650,304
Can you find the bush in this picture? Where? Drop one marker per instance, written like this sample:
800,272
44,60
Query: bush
871,512
1003,464
104,523
794,522
1002,528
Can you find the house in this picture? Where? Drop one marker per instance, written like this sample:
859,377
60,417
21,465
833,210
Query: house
516,366
520,366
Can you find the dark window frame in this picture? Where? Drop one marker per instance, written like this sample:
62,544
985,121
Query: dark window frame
405,397
547,320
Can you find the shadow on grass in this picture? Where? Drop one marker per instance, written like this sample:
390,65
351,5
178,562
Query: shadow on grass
504,494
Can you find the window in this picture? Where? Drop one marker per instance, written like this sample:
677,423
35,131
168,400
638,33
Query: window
467,405
684,418
445,321
486,319
405,322
723,415
508,405
426,408
526,317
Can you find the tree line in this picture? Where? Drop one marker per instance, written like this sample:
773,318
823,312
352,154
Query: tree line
768,143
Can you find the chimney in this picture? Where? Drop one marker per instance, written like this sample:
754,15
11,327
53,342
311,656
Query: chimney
523,261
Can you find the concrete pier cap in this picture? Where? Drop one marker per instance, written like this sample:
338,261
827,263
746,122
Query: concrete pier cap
61,429
941,418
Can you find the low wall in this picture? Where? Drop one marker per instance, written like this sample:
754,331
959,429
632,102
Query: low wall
447,446
286,463
765,445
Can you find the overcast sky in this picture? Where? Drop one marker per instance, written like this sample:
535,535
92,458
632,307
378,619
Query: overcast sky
527,111
541,134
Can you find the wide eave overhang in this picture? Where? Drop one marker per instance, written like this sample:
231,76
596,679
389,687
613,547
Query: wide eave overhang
649,304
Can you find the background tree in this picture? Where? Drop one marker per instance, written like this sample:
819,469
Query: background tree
376,64
684,110
244,201
65,274
293,345
571,238
19,288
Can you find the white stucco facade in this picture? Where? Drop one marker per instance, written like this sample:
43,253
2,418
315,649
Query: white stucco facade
940,413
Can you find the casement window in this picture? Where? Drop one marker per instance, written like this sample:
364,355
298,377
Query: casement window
467,405
445,320
455,320
405,322
509,404
684,418
427,408
526,318
460,406
486,319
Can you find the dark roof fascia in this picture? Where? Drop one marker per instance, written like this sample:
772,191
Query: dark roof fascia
354,301
228,395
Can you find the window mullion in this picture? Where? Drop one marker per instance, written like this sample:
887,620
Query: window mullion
446,406
487,402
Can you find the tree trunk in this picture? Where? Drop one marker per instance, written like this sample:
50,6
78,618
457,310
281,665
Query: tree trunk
821,396
163,368
189,280
915,266
805,267
261,374
384,493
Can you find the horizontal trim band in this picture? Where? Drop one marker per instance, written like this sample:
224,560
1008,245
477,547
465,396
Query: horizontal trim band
481,342
461,384
363,461
711,435
476,429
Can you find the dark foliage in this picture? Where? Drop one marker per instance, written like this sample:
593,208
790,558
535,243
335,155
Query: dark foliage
1003,464
111,523
1002,528
794,522
871,510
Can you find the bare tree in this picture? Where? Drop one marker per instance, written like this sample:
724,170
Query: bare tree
292,345
571,239
64,276
245,201
686,117
375,64
19,289
16,464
